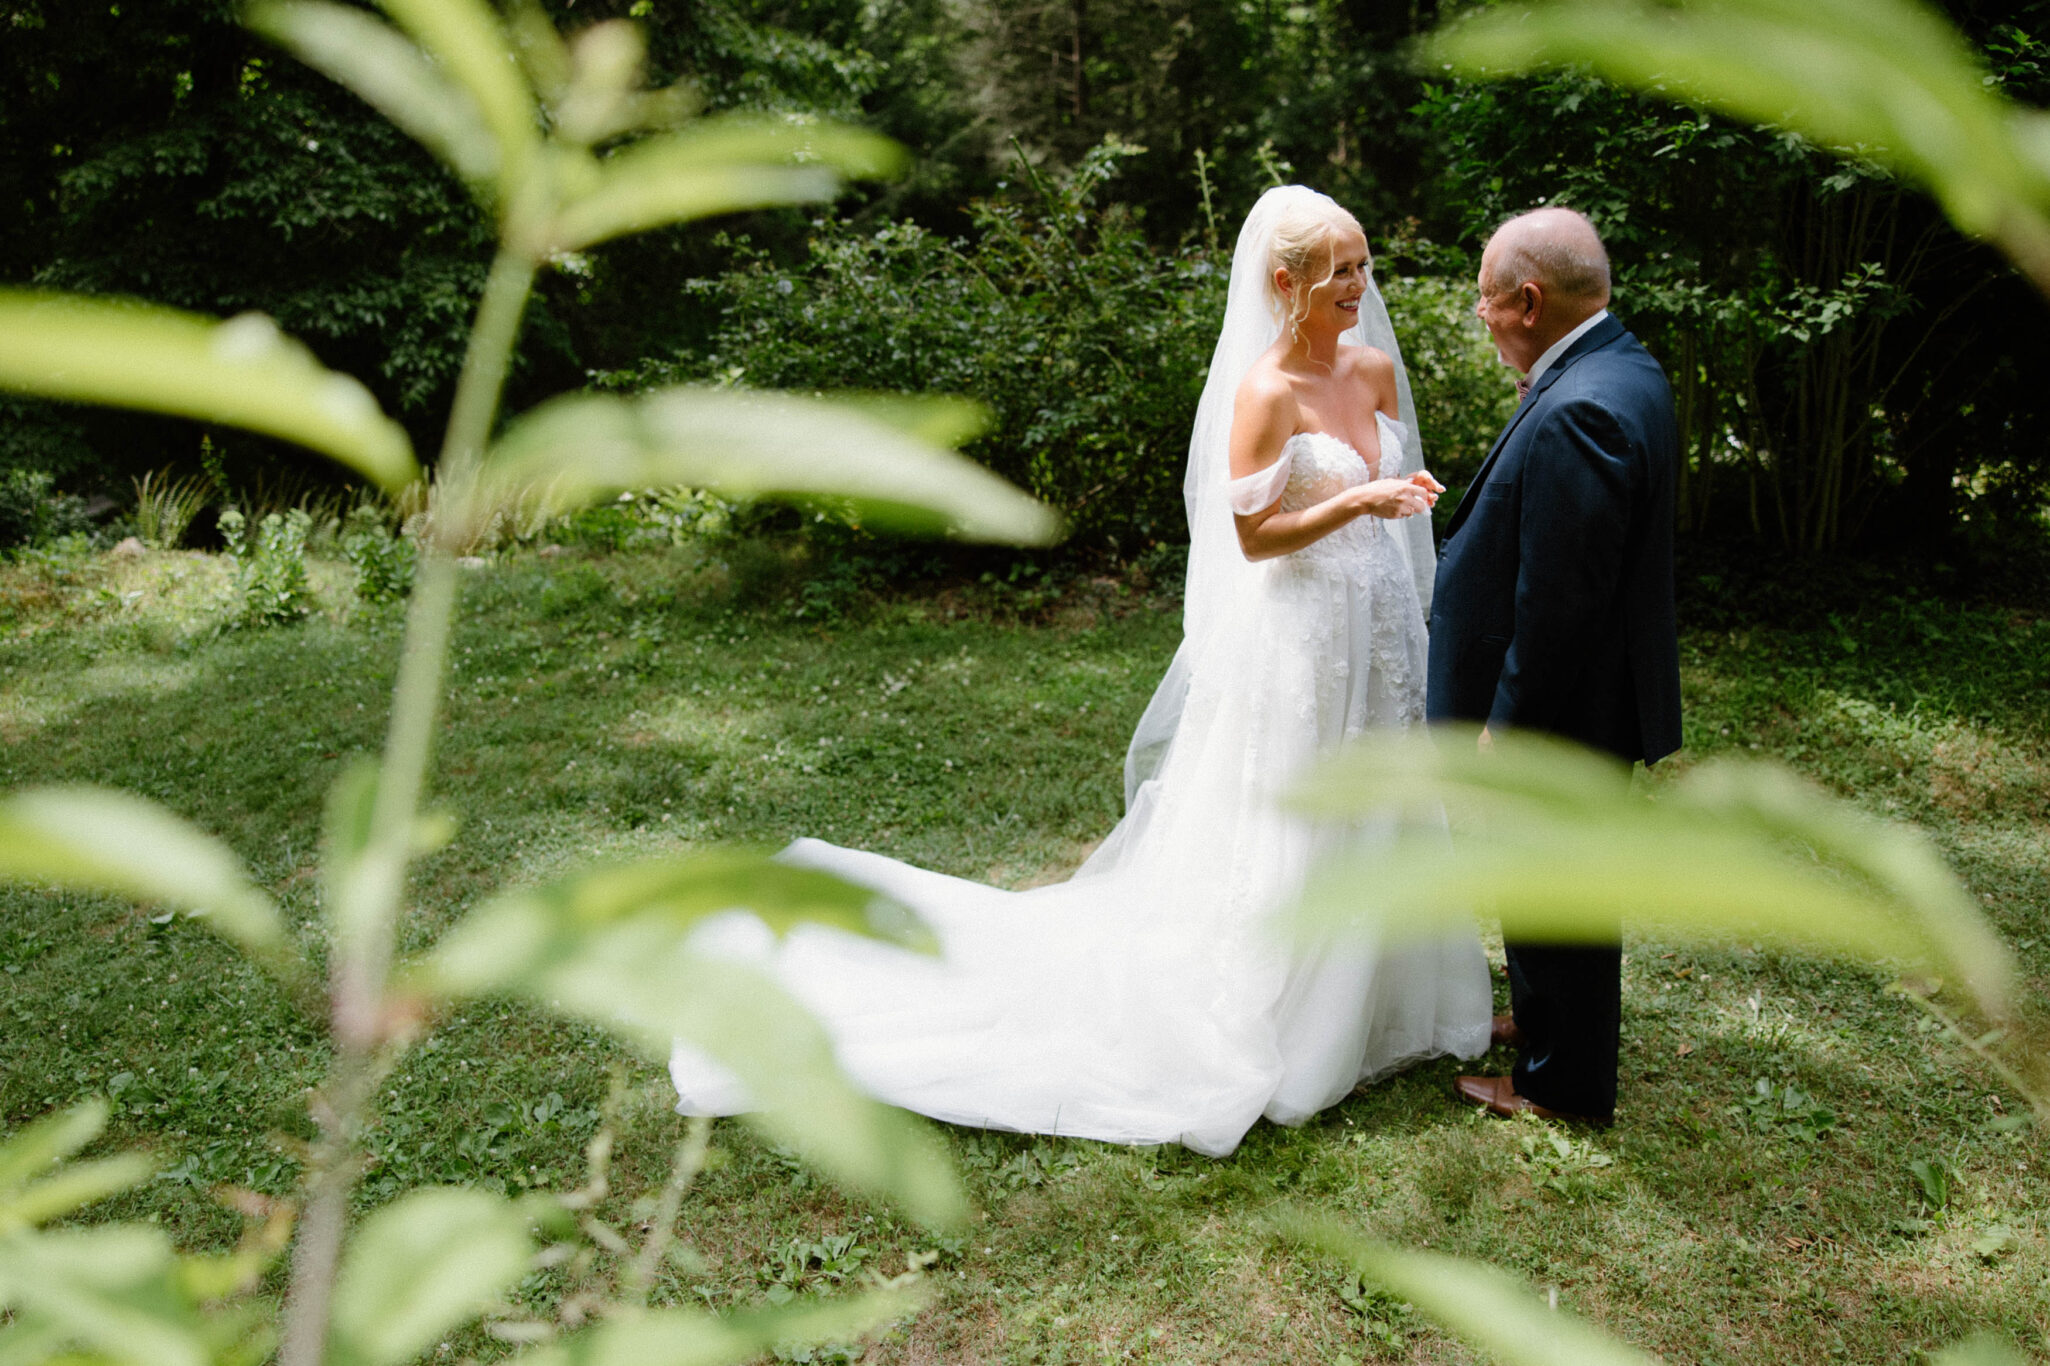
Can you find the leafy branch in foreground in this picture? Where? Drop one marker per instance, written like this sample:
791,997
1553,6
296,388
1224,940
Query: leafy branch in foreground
516,112
1552,839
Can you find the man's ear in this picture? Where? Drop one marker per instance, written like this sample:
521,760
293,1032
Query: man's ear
1533,302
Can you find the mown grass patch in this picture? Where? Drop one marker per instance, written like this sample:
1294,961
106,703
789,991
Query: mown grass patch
624,703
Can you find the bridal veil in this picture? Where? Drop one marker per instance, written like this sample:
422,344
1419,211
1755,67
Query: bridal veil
1219,577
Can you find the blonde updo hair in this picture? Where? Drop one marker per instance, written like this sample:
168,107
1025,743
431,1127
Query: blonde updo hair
1301,245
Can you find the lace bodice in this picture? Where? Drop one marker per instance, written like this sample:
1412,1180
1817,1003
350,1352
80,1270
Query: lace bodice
1314,465
1319,466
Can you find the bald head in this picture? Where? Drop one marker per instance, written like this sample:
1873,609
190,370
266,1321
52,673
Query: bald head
1543,274
1555,249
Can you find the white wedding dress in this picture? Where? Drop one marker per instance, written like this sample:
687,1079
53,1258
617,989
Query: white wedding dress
1152,997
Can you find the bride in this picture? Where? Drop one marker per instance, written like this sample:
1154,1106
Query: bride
1151,998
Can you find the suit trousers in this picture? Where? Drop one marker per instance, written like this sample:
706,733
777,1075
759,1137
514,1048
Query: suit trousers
1568,1001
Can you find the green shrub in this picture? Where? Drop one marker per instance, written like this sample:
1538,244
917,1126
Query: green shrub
383,562
1088,344
271,585
33,513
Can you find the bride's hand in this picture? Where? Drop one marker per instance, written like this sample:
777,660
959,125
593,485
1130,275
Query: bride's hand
1423,480
1397,498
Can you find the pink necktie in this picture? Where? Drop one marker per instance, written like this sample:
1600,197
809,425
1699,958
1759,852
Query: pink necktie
1522,387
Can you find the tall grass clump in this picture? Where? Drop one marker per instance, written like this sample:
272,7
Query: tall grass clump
165,507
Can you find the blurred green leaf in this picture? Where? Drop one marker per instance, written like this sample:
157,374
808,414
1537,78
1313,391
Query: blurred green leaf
577,449
465,39
390,74
70,1188
1888,79
100,840
427,1262
544,56
935,418
520,935
354,902
1550,838
26,1201
718,165
602,98
40,1145
1488,1308
1983,1350
1896,859
242,372
613,947
794,1084
683,1337
107,1289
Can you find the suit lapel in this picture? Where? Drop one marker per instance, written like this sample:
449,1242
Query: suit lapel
1596,337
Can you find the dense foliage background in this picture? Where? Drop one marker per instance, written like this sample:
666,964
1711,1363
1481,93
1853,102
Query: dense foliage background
1850,371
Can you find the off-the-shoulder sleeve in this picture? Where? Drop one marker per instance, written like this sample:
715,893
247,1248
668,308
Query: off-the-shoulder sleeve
1262,487
1394,446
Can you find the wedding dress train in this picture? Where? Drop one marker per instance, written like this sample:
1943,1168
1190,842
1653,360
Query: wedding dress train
1152,997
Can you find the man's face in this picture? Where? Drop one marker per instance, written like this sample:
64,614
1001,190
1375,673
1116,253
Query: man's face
1510,315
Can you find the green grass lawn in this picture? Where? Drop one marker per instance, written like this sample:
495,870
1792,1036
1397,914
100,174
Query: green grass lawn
623,704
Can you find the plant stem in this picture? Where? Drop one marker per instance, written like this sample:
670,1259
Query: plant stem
2031,1089
683,1169
485,365
366,916
416,704
317,1252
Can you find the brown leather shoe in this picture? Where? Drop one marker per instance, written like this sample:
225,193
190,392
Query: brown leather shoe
1497,1095
1503,1033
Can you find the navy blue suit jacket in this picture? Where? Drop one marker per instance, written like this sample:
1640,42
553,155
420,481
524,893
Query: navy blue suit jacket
1554,601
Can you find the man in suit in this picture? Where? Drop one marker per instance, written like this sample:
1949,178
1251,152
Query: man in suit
1554,605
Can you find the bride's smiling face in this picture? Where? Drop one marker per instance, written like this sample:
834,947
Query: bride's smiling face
1334,300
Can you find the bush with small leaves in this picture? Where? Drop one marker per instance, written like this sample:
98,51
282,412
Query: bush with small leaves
271,583
33,513
383,562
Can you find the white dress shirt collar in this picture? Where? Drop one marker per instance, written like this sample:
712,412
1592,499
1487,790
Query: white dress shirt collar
1558,348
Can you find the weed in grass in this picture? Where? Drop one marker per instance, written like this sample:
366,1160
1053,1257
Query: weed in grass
1384,1319
798,1265
1561,1162
1786,1111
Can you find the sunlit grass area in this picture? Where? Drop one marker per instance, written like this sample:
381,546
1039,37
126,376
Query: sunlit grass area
625,703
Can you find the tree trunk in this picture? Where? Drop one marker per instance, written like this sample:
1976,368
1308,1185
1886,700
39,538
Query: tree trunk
1078,56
